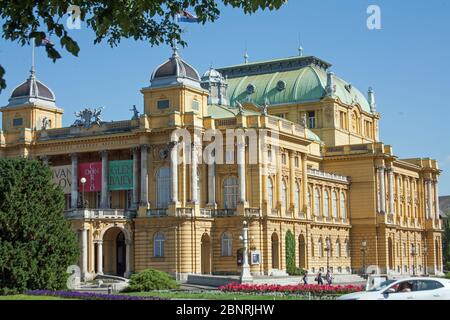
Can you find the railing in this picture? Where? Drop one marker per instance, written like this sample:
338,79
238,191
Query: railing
275,212
302,215
329,176
224,213
207,213
184,212
99,214
252,212
157,213
226,122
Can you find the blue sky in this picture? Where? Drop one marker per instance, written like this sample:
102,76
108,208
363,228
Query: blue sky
407,62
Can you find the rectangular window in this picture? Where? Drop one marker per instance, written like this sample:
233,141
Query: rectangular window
283,159
17,122
195,105
163,104
312,120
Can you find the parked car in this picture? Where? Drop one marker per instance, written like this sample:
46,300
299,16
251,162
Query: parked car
405,289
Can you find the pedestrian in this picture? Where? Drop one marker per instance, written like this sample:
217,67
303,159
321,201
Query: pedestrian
305,278
329,277
319,279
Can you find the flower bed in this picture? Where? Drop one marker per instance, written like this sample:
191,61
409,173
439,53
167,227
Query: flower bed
300,289
87,295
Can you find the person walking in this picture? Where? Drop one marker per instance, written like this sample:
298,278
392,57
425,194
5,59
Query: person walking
329,278
305,278
319,279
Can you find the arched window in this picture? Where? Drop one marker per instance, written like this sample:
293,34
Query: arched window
158,245
338,248
326,204
270,192
320,248
317,199
284,194
297,196
343,206
309,200
356,126
335,205
230,192
163,188
227,244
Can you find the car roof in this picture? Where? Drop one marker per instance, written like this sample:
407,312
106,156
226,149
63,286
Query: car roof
441,280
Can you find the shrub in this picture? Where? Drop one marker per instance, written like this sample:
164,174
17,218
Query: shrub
37,243
447,266
290,254
447,275
149,280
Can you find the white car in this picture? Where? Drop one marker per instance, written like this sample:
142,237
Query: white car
405,289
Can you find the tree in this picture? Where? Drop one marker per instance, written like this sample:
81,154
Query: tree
144,20
290,253
36,241
446,242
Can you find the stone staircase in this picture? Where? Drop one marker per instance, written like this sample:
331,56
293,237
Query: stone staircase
104,284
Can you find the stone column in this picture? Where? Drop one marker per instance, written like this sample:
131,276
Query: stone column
104,192
194,174
84,253
212,184
128,259
381,182
292,180
436,194
100,257
429,200
74,186
174,172
391,190
144,176
304,184
135,177
241,171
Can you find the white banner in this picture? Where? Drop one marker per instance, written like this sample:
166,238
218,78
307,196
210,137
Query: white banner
62,176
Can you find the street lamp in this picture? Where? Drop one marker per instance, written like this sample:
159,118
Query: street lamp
414,254
328,249
83,182
364,251
246,276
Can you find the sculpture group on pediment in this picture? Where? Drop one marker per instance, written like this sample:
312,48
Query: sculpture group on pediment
88,117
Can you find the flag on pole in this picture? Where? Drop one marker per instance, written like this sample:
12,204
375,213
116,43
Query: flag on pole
45,42
187,17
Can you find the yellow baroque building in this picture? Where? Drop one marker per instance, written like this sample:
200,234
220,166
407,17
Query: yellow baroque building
343,195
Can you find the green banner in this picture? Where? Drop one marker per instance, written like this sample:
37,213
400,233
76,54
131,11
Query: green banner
120,175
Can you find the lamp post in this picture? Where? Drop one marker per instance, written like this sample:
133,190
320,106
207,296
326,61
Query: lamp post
328,249
414,254
83,182
364,251
246,276
425,255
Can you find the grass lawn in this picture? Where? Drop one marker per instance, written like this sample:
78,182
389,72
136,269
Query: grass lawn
212,296
27,297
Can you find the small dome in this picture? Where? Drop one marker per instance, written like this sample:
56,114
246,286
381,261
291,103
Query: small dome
212,75
174,70
33,88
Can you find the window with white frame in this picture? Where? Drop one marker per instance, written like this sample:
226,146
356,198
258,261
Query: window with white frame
270,192
326,204
158,245
343,206
297,196
284,199
227,245
317,199
163,188
312,120
230,192
335,204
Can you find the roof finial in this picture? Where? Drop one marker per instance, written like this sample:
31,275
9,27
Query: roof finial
175,49
300,48
246,57
372,102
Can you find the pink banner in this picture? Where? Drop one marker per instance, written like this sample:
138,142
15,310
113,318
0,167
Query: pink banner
92,172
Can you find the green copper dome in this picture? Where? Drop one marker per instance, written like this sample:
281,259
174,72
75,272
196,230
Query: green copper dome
287,81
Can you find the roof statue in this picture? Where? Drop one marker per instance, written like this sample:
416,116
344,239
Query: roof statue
88,117
136,113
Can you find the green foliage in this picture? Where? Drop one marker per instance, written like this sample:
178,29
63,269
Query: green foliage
290,254
36,241
143,20
446,242
151,279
